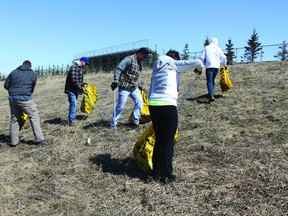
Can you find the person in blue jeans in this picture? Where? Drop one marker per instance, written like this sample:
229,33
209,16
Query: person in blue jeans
212,56
127,79
74,86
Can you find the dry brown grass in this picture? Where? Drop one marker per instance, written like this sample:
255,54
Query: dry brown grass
231,158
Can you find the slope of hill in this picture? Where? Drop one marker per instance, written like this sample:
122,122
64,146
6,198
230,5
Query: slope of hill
231,157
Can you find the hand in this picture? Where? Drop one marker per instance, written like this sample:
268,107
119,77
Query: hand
140,88
84,84
114,85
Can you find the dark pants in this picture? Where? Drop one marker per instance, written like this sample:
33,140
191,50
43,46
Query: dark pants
165,123
211,74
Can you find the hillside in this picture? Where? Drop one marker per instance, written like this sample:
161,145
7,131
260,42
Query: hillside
230,159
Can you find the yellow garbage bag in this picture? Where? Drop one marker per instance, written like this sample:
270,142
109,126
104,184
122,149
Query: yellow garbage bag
143,149
225,82
89,98
145,114
24,118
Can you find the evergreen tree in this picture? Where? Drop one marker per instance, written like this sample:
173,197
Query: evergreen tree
185,55
253,48
230,52
153,58
206,42
282,54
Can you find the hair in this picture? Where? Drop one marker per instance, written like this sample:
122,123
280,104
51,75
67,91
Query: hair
27,62
173,54
143,50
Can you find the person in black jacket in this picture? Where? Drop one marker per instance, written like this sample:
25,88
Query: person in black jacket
74,86
20,84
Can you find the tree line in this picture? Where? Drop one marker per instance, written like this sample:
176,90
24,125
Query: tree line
253,50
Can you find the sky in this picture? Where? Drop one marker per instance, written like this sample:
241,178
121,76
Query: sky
53,32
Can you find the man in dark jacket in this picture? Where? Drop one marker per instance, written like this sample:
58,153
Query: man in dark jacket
74,86
20,84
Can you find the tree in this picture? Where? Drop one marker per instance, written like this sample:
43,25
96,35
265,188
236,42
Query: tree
185,55
253,48
282,54
206,42
230,52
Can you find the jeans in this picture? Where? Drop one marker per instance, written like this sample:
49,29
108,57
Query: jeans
72,98
123,95
16,109
211,74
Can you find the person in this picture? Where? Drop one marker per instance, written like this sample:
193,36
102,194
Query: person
74,86
212,56
127,79
20,84
162,101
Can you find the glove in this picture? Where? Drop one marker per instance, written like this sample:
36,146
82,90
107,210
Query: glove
140,88
198,70
84,84
81,91
114,85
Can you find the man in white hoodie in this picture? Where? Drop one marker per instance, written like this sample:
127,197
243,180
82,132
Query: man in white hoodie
212,56
162,103
74,86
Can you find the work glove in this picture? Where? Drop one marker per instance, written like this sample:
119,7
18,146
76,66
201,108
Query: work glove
198,71
114,85
81,91
140,88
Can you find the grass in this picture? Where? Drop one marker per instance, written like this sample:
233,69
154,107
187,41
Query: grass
230,159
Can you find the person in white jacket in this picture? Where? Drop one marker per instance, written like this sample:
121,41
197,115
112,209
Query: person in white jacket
212,56
162,103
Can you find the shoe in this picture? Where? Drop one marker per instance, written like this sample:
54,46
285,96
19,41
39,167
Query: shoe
43,142
168,180
13,145
71,124
211,99
132,125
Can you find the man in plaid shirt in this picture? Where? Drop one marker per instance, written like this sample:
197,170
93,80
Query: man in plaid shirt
74,86
127,79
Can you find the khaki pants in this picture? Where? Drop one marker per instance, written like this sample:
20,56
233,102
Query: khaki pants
16,109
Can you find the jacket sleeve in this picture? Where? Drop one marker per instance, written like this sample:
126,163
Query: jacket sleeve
7,83
184,65
122,66
75,78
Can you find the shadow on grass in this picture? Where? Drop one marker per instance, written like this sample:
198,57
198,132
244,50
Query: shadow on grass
4,138
116,166
203,99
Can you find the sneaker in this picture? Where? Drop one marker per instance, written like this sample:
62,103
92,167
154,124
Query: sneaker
43,142
13,145
211,99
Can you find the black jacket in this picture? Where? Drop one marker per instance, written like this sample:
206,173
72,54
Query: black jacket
21,81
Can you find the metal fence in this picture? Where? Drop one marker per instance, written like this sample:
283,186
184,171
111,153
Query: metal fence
267,53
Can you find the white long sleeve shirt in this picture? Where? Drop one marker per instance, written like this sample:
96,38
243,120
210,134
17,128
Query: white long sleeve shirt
165,79
213,55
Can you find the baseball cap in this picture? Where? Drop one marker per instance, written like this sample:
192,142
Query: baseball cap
85,59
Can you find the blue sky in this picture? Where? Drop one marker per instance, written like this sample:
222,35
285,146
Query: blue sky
51,32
